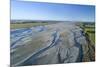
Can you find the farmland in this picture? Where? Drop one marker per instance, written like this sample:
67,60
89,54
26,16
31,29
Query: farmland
89,29
89,32
25,25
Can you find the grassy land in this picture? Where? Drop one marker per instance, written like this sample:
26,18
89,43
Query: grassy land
25,25
91,33
90,30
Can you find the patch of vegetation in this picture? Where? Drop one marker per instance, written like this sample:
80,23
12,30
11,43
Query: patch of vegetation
25,25
89,30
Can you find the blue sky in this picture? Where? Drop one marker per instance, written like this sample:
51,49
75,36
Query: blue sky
51,11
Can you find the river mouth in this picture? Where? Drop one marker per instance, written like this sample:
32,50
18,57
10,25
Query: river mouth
54,43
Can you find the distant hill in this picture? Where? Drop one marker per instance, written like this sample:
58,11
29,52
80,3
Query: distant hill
46,21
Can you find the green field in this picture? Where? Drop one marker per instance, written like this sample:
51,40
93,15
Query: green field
89,32
89,28
25,25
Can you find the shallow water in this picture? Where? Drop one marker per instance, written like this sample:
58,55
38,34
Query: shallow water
70,50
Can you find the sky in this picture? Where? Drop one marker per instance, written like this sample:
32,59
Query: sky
51,11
